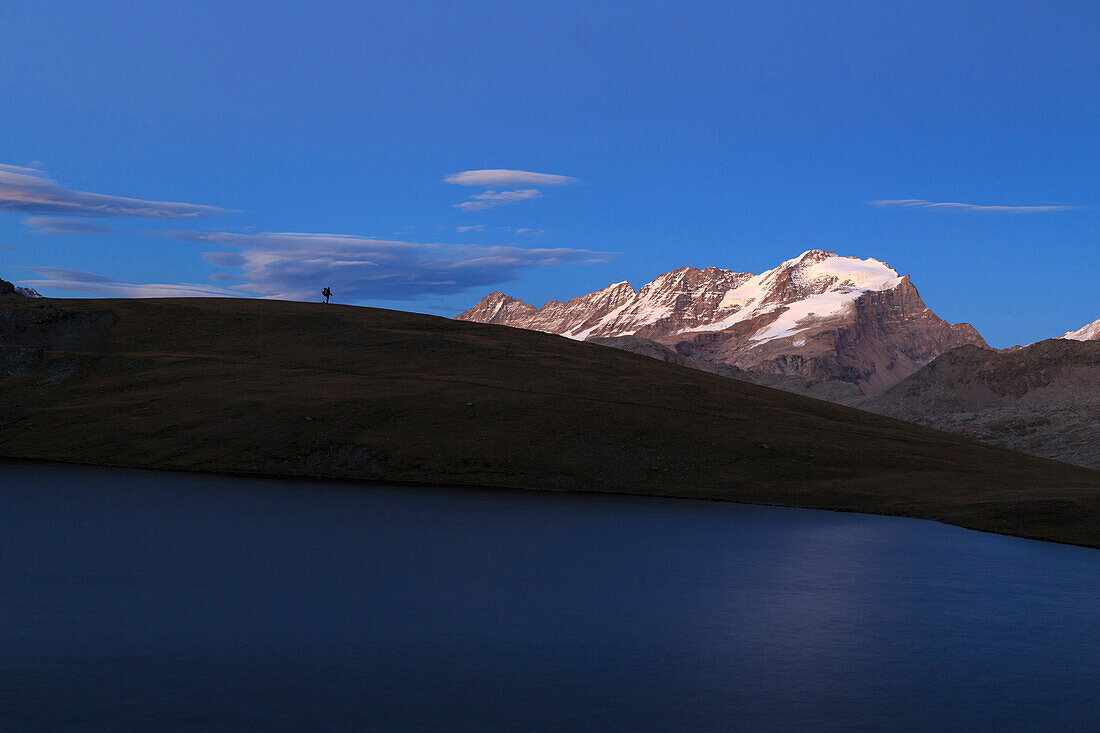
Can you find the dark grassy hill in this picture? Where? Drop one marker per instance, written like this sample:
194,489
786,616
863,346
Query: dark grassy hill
307,389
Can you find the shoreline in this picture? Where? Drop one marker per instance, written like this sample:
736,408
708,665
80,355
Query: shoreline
351,482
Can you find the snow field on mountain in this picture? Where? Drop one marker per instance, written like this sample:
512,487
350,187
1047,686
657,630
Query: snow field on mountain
1091,332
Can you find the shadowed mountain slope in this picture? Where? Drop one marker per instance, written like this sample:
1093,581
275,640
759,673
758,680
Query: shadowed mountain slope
831,390
307,389
1042,399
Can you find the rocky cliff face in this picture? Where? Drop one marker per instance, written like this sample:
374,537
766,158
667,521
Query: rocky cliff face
820,317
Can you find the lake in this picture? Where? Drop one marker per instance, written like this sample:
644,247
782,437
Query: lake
154,600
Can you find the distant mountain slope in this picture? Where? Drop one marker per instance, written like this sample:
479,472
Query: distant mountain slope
270,387
1042,399
820,317
7,288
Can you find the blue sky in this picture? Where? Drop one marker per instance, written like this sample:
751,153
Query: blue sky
687,133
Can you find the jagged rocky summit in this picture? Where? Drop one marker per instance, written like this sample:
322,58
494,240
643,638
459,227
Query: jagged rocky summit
820,317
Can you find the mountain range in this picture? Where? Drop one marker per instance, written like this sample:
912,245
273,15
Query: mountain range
819,317
848,330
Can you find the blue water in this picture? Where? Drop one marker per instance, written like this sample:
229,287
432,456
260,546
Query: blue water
134,600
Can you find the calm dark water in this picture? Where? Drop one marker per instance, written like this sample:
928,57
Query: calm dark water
142,600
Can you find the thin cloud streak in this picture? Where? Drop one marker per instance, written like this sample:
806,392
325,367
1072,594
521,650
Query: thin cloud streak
296,265
67,275
505,177
64,225
89,283
972,208
27,190
526,231
493,199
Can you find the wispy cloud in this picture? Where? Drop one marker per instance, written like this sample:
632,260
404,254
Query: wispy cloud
296,265
28,190
64,225
526,231
492,199
89,283
504,177
973,208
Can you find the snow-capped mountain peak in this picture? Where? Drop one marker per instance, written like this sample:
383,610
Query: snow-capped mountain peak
1090,332
815,285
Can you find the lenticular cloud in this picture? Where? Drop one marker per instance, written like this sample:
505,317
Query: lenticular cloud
505,177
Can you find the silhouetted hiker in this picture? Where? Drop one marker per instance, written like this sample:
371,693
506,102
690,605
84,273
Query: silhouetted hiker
327,292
